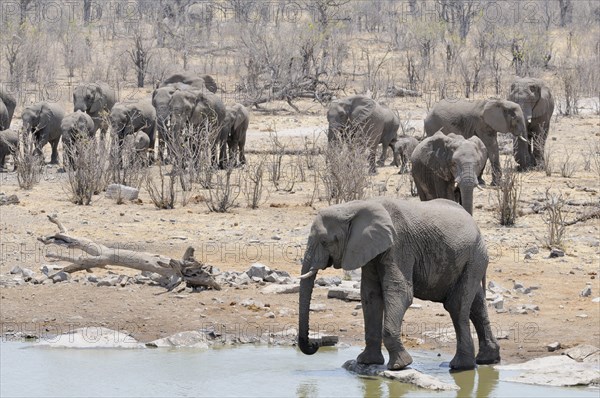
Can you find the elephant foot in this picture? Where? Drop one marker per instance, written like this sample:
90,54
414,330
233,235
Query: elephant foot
399,360
371,356
54,161
462,363
488,355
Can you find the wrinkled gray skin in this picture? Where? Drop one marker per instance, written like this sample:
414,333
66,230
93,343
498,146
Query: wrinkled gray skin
161,98
403,149
447,166
97,100
361,118
205,82
43,120
127,118
8,103
536,101
483,118
389,135
9,141
236,123
74,126
197,109
430,250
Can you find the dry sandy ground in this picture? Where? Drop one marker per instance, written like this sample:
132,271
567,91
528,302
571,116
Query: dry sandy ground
274,235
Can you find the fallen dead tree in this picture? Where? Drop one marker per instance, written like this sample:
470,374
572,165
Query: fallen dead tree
188,269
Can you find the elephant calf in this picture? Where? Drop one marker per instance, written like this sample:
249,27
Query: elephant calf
236,123
9,141
129,118
74,127
430,250
447,166
403,149
139,144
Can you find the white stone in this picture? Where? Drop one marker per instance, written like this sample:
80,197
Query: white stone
189,339
116,191
280,289
91,337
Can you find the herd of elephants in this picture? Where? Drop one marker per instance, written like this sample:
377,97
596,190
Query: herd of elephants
432,249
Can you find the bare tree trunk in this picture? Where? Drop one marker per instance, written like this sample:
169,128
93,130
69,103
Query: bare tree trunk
566,12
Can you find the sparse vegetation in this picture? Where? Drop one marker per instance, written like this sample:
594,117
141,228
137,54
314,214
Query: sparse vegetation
553,217
508,192
30,166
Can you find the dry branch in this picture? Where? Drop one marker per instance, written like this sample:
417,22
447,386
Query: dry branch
585,217
186,270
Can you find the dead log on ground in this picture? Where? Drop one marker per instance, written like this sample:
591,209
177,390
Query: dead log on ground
188,269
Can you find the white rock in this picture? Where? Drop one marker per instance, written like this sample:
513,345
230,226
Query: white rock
586,292
91,337
116,191
349,294
280,289
189,339
258,270
596,300
580,352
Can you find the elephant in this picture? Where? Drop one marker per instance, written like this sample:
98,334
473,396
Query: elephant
360,117
43,120
483,118
97,100
127,118
75,126
139,142
160,100
536,101
200,111
403,149
8,103
9,141
390,134
447,166
236,123
430,250
199,82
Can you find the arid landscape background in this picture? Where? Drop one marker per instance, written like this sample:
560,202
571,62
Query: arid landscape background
285,61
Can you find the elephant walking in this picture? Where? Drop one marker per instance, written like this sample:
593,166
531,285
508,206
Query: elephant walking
483,118
447,166
8,103
536,101
43,120
361,119
405,249
236,123
74,127
97,100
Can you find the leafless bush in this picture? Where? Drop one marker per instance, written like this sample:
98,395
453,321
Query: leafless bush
346,176
282,177
571,89
253,185
85,175
225,190
29,165
548,159
163,193
553,217
508,192
568,166
124,164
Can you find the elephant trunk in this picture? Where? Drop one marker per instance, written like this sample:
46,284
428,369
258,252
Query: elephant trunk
466,197
466,182
306,288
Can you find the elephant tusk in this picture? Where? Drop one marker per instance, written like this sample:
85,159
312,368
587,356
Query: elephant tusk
522,139
308,274
478,187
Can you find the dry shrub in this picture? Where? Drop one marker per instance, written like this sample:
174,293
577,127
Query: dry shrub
346,176
568,167
29,164
253,184
225,190
163,193
508,192
553,217
86,174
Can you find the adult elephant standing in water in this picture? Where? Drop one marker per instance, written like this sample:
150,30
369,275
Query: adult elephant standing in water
432,250
536,101
483,118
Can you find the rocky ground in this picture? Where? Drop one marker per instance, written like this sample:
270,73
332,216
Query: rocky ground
539,300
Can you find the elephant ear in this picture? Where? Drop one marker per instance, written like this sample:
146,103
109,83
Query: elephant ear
438,155
543,97
494,115
361,108
482,151
370,233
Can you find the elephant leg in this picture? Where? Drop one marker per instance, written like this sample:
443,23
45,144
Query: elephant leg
397,297
383,156
242,155
54,156
489,350
458,304
371,297
494,156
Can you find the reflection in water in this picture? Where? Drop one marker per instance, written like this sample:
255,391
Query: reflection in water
487,381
